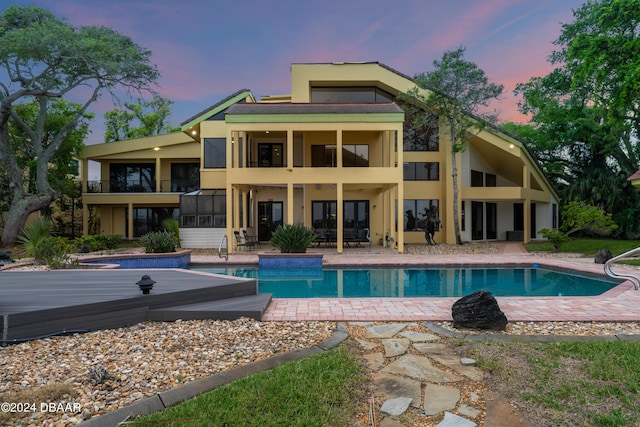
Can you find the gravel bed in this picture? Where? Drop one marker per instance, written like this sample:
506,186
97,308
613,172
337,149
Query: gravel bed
557,328
105,370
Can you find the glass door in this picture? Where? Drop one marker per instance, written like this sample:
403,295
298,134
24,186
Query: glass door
270,216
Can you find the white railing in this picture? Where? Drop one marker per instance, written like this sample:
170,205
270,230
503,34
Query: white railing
608,268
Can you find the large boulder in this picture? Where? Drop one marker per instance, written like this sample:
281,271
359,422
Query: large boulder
479,310
603,256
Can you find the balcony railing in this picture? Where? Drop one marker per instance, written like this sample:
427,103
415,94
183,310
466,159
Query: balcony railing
166,186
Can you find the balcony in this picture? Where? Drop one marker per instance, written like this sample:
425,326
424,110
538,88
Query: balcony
166,186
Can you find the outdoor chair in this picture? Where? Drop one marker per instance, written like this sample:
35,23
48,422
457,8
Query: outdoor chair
239,242
249,240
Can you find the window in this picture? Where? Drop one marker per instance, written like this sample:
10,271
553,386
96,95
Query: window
420,131
150,219
185,177
204,208
341,95
416,213
132,178
489,180
215,153
324,214
421,171
353,155
477,179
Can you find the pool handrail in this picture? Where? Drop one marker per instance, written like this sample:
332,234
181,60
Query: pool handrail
226,253
608,268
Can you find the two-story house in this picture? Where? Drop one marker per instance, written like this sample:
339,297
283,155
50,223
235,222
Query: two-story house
336,154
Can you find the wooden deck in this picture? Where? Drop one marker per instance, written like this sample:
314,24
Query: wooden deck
40,303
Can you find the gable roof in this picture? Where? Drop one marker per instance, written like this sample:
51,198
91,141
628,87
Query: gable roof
216,108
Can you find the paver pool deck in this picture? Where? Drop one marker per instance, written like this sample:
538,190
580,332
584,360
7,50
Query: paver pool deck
622,303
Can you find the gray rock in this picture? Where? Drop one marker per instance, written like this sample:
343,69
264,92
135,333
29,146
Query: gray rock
390,386
469,411
367,345
438,398
396,406
453,420
424,347
603,256
453,362
467,361
395,346
384,331
478,310
419,367
374,360
419,336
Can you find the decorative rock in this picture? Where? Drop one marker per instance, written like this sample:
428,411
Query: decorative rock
452,420
469,411
397,406
419,336
438,398
419,367
384,331
478,310
374,360
467,361
395,346
390,386
453,362
603,256
424,347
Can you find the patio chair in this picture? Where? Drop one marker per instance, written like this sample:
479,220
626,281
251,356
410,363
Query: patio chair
239,243
249,240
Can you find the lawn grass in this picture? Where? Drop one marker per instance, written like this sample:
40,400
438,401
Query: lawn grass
593,383
321,390
589,247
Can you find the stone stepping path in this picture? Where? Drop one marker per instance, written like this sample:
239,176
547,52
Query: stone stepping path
418,377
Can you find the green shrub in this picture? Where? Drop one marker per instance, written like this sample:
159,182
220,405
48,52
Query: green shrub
54,252
98,242
292,238
555,236
173,227
158,242
34,234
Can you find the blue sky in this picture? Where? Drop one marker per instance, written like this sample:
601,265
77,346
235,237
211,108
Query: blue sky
206,50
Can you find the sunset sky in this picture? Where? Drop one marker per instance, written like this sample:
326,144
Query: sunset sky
206,50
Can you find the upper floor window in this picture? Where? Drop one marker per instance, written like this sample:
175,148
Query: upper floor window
132,178
353,155
481,179
420,130
421,171
357,94
215,153
185,177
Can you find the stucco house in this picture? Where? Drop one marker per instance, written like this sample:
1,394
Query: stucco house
335,154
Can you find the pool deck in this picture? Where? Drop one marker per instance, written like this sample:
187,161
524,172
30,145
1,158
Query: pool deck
620,304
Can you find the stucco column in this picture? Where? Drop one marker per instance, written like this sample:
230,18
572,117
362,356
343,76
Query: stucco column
339,148
289,202
526,185
159,175
229,213
130,226
340,217
289,149
400,185
84,176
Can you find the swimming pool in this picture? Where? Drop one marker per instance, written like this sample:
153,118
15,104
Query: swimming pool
415,281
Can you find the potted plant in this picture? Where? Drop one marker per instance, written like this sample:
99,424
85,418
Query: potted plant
292,238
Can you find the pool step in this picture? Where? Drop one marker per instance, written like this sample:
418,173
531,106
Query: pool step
252,306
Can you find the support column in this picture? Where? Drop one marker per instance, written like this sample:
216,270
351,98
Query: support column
159,176
85,186
340,217
130,218
229,213
289,149
290,203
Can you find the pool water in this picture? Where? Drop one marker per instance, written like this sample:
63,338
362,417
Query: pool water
416,281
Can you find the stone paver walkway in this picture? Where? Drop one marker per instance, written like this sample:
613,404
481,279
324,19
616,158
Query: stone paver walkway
418,378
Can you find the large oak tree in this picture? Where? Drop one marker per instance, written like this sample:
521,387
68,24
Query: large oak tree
42,59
